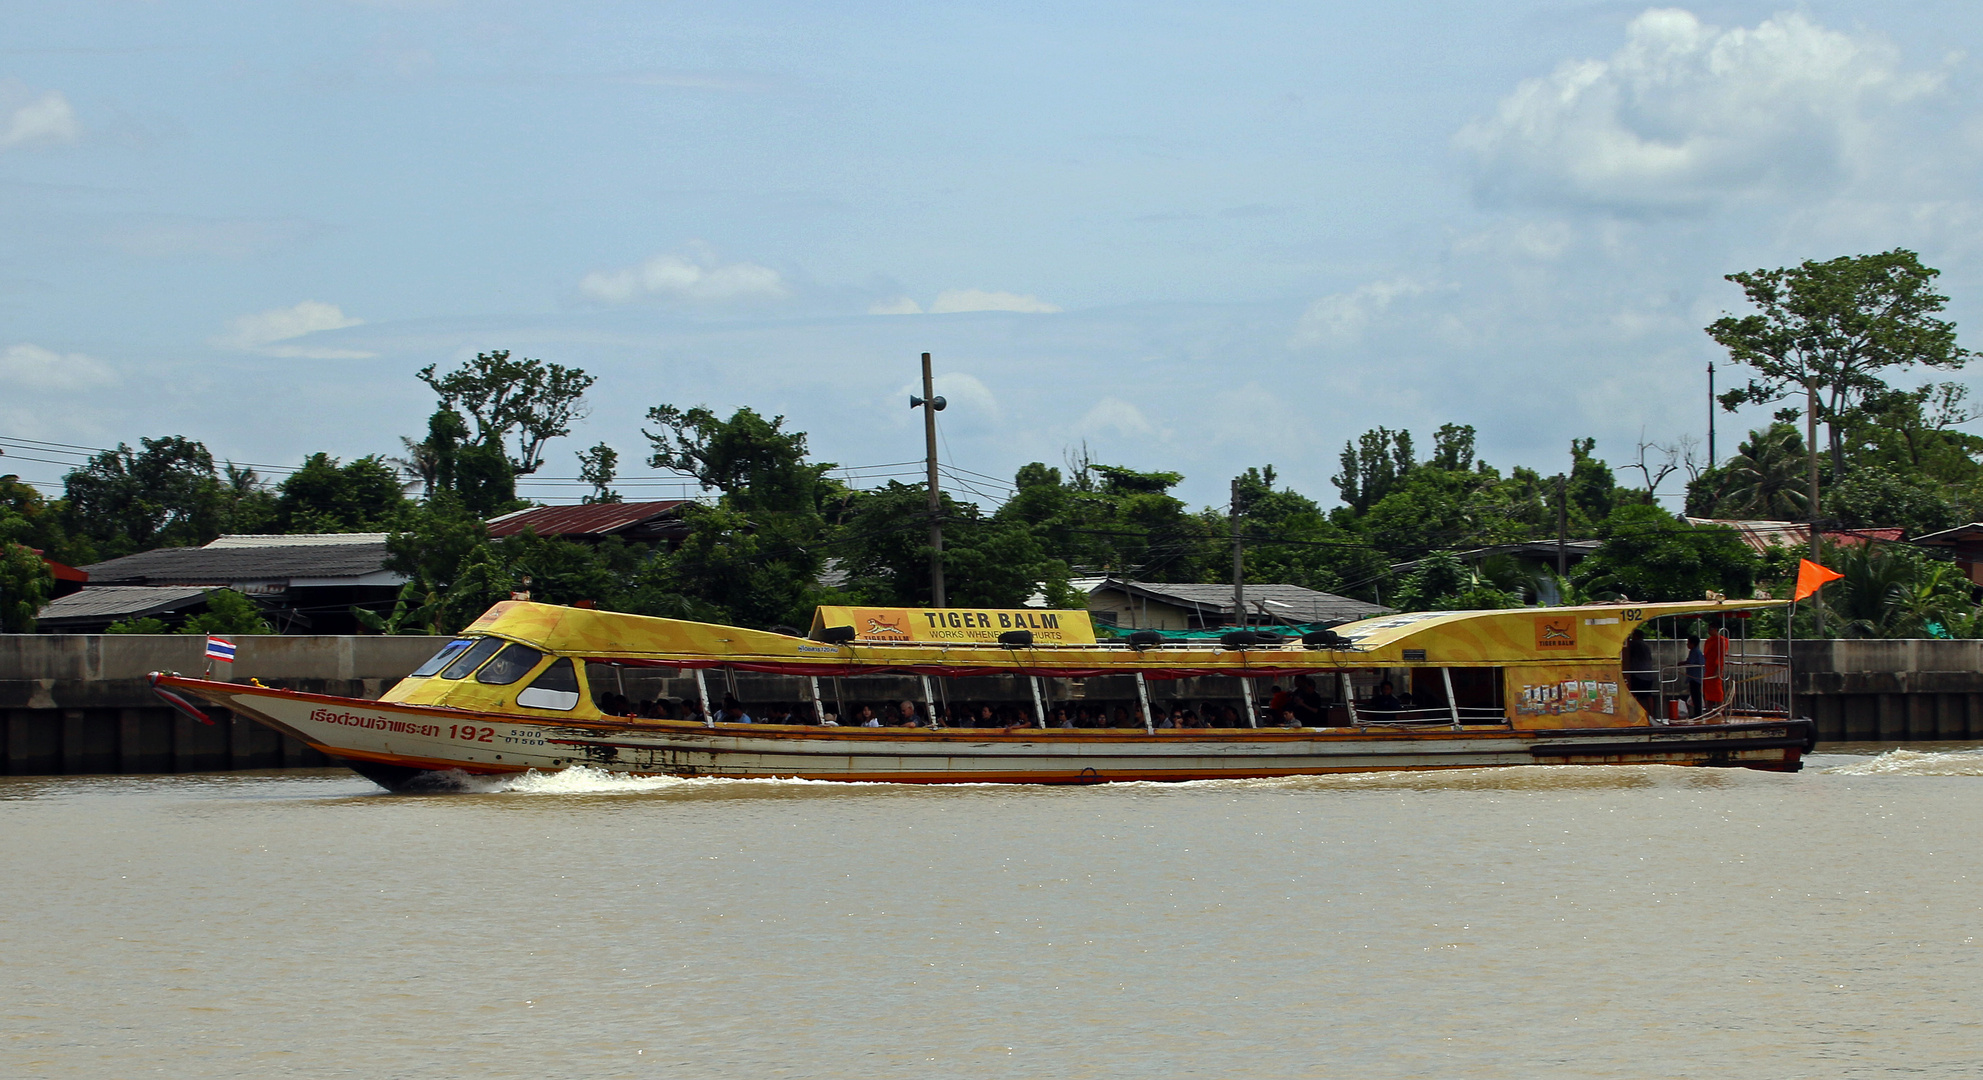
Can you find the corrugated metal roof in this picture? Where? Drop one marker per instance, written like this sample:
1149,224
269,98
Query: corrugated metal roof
260,540
586,519
228,565
1291,603
1765,535
1960,536
112,602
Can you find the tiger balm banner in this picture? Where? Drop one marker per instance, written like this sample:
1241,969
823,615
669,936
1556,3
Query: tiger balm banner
978,626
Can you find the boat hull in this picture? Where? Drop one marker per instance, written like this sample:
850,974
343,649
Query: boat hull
401,746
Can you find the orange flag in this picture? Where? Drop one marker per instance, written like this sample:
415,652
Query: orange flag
1811,577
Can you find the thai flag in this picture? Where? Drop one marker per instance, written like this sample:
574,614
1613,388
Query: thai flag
220,649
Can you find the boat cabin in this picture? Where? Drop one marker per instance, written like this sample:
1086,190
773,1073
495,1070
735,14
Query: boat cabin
954,668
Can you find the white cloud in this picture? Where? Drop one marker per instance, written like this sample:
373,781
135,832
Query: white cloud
270,332
1685,114
696,277
1343,316
901,305
41,121
1114,416
955,300
36,368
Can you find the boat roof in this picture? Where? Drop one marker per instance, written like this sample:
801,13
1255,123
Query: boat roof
1592,632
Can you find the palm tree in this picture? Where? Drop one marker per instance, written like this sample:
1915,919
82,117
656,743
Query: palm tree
1767,476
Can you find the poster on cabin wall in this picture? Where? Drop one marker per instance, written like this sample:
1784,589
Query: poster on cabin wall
1557,692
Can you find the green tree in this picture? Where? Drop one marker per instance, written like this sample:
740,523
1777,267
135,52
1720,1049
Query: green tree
1372,466
529,399
1830,330
1875,497
228,612
165,495
1650,555
988,561
1891,590
1291,541
1441,582
27,518
26,584
1764,480
597,466
413,612
755,556
326,497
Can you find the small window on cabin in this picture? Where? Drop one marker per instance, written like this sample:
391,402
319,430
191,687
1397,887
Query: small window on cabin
472,659
556,688
440,659
511,664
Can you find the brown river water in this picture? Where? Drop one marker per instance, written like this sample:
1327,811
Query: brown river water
1548,921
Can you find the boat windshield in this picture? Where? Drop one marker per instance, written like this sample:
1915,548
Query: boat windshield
556,688
472,659
440,659
509,665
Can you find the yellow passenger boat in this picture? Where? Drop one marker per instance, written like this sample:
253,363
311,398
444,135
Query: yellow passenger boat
539,687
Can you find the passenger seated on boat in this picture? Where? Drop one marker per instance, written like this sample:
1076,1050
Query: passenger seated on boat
1278,699
864,716
1123,718
1285,718
905,715
1383,703
1229,717
733,712
1060,717
1305,702
1188,718
985,718
778,714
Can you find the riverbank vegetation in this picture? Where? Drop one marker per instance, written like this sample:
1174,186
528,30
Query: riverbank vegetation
777,533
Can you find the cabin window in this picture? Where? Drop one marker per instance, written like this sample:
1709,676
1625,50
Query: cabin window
440,659
509,665
556,688
472,659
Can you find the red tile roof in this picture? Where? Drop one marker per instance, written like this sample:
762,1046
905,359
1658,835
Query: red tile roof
591,519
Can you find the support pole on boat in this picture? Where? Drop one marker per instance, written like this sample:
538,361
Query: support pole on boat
702,691
1143,699
929,701
1246,694
1349,701
818,706
1452,703
1039,706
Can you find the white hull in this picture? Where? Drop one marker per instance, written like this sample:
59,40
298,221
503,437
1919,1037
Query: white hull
395,744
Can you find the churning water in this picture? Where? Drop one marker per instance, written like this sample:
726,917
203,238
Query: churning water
1557,921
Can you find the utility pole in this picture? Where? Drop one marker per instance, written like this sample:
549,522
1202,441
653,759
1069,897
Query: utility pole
1811,444
931,405
1562,526
1238,562
1711,458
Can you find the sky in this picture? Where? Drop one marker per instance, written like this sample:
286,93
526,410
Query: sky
1196,238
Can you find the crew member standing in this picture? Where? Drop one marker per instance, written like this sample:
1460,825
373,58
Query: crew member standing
1714,662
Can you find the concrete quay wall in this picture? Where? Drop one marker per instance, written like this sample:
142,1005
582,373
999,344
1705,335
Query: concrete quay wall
80,704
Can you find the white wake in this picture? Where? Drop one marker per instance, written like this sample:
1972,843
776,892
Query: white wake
1916,763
